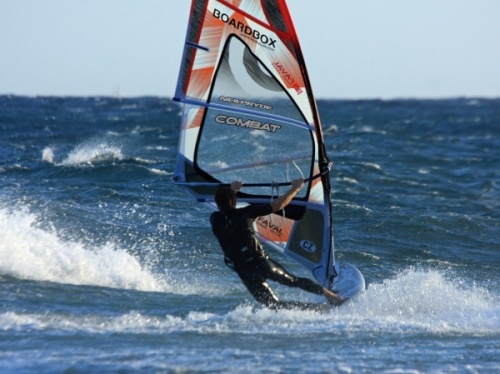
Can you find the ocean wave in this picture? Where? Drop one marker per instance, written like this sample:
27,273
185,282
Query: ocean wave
93,151
28,252
85,154
413,302
427,300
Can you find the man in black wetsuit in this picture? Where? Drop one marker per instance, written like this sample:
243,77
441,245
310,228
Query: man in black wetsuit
243,252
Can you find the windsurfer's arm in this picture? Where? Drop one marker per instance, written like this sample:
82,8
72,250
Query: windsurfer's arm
282,201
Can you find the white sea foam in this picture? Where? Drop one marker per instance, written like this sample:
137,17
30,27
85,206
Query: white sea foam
426,300
372,165
48,155
88,152
349,180
93,151
28,252
160,172
412,303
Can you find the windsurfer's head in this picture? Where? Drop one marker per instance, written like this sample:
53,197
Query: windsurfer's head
225,198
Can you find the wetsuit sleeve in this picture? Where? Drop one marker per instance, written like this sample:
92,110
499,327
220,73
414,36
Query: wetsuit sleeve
254,211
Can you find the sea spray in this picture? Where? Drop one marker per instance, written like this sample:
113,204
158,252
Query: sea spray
93,151
48,155
426,300
28,252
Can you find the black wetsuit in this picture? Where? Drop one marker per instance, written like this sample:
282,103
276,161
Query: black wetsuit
245,255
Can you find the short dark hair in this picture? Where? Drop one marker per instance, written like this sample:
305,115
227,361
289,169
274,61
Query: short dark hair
225,198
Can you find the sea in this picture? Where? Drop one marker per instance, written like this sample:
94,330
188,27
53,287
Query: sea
106,266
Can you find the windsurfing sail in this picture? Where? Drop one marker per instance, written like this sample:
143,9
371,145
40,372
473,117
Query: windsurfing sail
249,114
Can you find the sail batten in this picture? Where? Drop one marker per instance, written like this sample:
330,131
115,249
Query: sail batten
206,104
198,46
249,114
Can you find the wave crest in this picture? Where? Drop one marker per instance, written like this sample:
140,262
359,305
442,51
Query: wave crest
28,252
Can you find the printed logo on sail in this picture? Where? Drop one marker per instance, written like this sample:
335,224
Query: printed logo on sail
267,224
249,123
245,102
285,74
307,246
245,29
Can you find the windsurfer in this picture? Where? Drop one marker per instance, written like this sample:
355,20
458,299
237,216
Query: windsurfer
233,228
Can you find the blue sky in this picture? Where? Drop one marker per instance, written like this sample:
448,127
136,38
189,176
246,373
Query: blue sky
353,48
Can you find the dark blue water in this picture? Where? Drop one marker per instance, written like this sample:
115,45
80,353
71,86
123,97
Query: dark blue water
105,266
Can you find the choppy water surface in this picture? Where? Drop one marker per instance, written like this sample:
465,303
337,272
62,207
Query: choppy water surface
106,266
